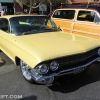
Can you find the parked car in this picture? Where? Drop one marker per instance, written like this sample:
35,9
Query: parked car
79,19
43,51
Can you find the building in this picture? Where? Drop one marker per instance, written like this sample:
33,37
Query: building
11,6
8,5
18,7
15,7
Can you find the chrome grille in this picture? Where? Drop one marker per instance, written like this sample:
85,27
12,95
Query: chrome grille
78,58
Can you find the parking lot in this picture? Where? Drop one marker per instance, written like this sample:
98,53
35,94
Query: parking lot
84,86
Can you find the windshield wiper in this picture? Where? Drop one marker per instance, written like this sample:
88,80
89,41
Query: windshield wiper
29,32
47,29
39,31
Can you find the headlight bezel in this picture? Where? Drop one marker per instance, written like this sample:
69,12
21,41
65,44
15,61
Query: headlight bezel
40,71
47,67
51,65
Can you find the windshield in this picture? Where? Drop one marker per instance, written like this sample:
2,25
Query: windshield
31,25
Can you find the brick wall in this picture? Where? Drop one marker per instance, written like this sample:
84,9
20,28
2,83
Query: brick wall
18,7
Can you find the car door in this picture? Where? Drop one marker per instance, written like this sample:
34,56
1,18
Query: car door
4,28
64,18
7,39
86,25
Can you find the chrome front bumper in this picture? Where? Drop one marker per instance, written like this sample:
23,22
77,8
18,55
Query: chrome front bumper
41,79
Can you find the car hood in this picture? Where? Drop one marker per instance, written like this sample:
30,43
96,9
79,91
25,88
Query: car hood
57,44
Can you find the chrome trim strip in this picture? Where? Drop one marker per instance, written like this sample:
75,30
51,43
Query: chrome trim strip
85,32
39,78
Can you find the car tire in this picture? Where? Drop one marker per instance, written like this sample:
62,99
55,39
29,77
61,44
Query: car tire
25,72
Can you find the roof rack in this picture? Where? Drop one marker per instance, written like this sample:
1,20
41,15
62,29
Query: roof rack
86,4
81,3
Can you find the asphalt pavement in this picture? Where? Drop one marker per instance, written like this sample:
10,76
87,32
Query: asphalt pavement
84,86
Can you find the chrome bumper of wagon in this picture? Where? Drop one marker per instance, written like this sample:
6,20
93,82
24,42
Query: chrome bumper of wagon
49,79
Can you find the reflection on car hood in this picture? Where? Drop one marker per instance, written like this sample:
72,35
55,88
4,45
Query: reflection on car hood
56,44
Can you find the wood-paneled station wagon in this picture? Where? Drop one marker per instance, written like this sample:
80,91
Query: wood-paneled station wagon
42,50
81,19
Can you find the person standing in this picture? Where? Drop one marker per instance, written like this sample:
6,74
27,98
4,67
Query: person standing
2,12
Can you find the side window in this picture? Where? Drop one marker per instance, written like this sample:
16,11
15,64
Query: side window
86,16
4,24
65,14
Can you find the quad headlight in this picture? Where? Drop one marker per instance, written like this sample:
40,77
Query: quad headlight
54,65
43,69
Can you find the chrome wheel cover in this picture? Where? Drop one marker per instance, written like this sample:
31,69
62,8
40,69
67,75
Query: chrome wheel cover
25,70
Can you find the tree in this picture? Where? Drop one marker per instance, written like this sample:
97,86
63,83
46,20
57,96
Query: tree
30,3
69,1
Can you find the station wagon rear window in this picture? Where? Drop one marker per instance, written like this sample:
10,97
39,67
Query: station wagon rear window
65,14
86,16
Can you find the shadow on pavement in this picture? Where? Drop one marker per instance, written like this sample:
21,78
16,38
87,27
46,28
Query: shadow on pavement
72,83
29,98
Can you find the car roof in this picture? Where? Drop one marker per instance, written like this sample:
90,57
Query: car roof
69,8
80,7
10,16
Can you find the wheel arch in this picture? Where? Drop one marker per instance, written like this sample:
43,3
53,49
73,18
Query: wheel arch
17,60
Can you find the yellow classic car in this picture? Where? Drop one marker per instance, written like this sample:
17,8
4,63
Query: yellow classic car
42,50
79,19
